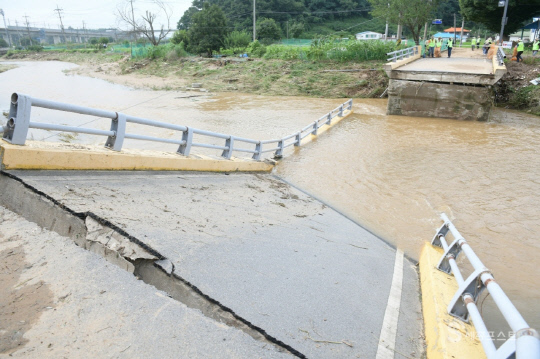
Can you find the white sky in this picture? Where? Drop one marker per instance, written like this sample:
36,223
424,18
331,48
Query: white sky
95,13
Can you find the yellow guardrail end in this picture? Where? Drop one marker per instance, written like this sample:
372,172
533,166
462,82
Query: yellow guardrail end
446,337
56,156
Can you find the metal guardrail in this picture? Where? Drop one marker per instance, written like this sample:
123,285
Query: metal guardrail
402,54
525,342
19,123
500,55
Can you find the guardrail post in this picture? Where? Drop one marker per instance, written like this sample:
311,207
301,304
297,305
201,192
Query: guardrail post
187,136
19,119
329,119
298,139
258,148
228,152
279,151
340,113
118,125
315,128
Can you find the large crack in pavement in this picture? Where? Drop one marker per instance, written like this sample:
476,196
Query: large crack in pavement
104,238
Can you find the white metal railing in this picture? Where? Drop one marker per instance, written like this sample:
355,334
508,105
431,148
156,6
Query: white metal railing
402,54
525,343
16,129
500,55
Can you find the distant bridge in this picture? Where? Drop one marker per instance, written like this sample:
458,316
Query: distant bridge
56,36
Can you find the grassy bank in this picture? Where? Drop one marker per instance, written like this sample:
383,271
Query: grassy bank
277,76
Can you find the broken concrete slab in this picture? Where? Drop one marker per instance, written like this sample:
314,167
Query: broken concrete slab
276,257
60,300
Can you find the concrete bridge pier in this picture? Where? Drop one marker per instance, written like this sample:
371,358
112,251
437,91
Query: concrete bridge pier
457,88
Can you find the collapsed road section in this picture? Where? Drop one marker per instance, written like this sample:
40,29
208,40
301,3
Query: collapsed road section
247,250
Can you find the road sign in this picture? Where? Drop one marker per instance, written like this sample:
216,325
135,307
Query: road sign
437,22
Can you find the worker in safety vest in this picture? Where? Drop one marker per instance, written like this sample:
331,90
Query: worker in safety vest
426,48
520,48
536,46
432,47
473,43
450,44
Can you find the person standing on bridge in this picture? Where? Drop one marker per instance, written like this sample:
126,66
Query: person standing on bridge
520,48
536,46
450,44
473,43
432,47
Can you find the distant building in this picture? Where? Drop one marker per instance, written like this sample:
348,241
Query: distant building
446,35
457,31
369,35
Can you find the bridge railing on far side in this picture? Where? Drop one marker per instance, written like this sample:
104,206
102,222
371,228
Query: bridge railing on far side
16,130
524,343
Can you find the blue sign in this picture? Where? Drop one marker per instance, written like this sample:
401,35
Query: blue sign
437,22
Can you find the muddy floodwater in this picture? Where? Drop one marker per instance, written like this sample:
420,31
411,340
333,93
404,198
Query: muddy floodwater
392,174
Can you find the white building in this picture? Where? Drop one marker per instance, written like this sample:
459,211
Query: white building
369,35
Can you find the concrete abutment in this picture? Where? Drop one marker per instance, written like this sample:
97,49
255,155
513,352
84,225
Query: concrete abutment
429,99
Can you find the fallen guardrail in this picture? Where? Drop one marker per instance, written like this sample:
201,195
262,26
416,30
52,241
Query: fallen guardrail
402,54
525,342
16,129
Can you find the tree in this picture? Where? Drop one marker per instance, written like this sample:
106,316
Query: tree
103,40
268,29
488,13
413,14
3,43
146,23
180,36
208,30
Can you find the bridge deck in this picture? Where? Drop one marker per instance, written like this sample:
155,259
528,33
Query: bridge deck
451,65
277,257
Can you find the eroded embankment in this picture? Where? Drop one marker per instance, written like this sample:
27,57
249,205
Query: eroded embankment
99,236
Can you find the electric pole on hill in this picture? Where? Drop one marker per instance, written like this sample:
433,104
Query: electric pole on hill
61,24
254,23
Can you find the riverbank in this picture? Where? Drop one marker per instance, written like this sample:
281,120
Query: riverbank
324,79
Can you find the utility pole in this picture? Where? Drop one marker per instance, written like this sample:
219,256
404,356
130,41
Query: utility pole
386,28
455,30
254,23
61,24
425,31
503,22
7,33
18,32
28,29
133,22
399,29
84,33
461,36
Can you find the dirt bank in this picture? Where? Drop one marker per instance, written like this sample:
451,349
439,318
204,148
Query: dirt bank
277,77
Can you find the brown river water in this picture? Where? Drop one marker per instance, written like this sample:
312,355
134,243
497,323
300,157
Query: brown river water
392,174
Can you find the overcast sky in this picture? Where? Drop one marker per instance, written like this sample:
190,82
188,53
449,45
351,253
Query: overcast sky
95,13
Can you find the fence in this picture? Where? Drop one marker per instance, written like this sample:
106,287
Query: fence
525,343
402,54
19,122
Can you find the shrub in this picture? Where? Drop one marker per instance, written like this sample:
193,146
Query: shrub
256,49
237,39
37,48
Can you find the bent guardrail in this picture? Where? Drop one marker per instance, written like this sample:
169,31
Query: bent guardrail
500,55
525,343
16,129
